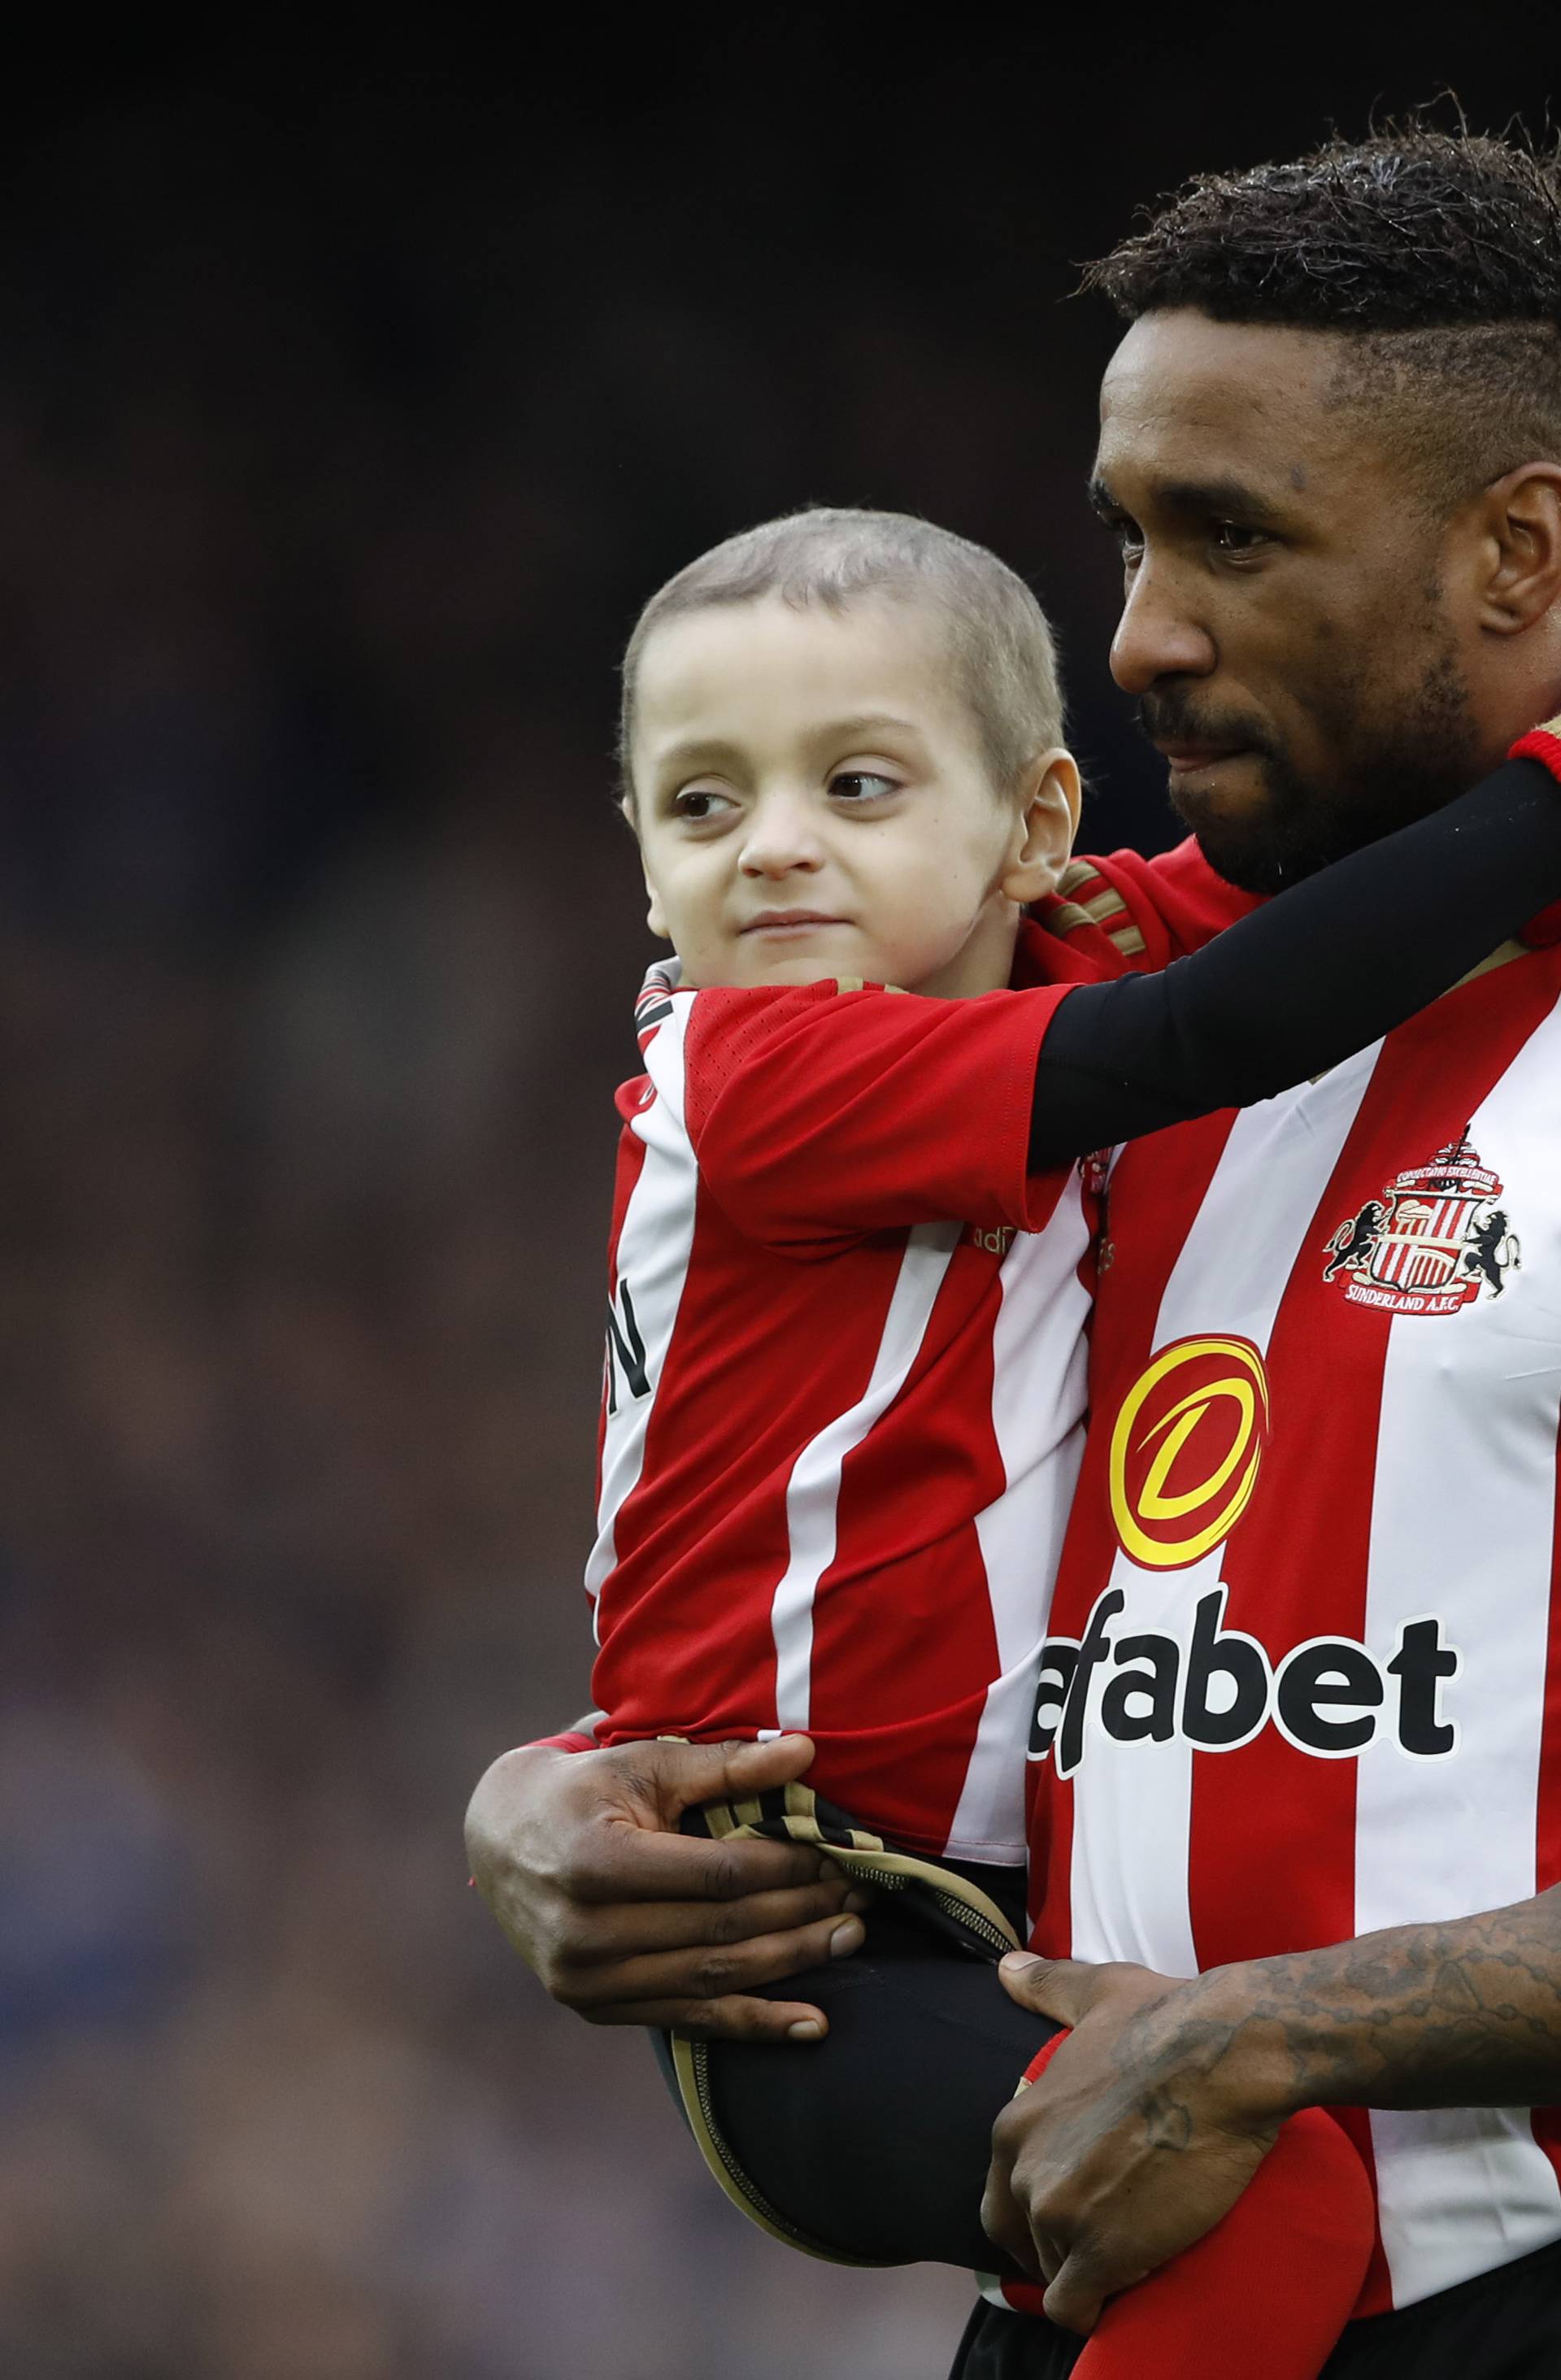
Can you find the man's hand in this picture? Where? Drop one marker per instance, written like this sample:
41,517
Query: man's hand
1138,2137
627,1920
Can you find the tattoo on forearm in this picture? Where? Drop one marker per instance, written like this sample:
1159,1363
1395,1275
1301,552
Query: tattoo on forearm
1466,2014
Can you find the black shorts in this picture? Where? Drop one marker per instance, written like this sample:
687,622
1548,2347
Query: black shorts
1501,2325
872,2145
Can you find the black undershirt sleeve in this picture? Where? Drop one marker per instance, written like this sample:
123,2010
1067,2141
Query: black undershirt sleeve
1312,977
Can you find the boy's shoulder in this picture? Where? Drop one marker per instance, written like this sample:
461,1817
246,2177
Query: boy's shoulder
700,1011
696,1042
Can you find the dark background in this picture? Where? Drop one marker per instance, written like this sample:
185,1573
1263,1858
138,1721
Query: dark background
350,406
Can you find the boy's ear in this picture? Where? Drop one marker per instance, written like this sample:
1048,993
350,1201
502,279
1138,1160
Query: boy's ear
654,918
1048,821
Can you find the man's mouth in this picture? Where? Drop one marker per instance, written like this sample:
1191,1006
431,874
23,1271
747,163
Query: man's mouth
1194,759
788,921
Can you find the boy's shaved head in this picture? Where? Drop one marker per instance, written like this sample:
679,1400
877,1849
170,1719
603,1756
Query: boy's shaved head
1000,647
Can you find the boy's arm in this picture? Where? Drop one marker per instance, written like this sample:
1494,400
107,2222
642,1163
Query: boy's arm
825,1111
1307,980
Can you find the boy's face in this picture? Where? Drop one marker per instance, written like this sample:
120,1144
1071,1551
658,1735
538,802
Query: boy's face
812,800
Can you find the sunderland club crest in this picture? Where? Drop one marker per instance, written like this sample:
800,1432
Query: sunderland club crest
1436,1238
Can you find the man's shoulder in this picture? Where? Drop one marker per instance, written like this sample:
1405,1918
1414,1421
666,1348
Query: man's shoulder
1177,892
1128,912
1083,932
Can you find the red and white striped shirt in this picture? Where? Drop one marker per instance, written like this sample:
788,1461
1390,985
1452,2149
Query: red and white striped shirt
1303,1678
841,1430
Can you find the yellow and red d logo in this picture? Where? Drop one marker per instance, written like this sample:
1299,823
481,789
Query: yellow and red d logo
1186,1450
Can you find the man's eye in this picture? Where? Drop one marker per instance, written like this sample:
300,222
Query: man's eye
700,803
862,785
1128,536
1235,537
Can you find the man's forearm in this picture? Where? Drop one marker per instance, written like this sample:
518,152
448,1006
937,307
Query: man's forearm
1464,2014
1154,2115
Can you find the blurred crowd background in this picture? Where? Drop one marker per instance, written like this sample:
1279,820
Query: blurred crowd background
349,408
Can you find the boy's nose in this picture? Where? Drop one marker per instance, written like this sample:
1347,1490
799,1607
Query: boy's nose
1158,636
780,838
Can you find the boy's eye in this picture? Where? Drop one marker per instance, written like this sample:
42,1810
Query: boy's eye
699,803
862,785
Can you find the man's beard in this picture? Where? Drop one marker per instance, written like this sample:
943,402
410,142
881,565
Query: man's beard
1421,753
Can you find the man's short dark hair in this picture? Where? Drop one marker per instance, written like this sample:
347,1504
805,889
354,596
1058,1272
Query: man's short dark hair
1437,256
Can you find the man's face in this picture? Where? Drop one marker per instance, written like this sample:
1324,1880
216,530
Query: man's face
1286,627
812,800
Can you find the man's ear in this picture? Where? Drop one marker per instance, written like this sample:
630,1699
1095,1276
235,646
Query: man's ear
1048,821
1520,526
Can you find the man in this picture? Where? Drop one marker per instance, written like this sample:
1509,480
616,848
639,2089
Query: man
1314,1539
1342,377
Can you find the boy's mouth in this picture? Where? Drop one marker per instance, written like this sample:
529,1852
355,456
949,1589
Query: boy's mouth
788,921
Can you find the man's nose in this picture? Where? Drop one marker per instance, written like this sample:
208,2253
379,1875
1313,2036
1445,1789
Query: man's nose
782,835
1159,635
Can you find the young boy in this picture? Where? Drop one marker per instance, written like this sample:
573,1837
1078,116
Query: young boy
844,1386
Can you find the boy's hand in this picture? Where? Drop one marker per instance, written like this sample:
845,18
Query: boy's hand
628,1921
1142,2131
